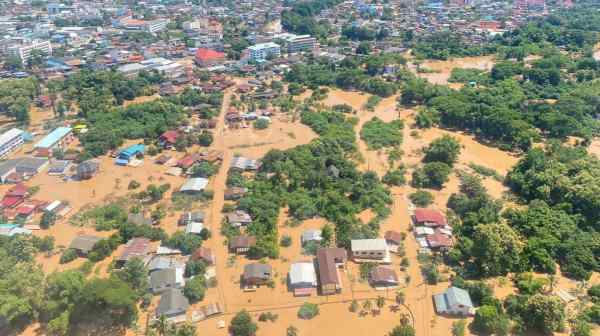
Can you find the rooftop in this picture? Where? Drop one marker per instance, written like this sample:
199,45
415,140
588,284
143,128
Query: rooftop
53,137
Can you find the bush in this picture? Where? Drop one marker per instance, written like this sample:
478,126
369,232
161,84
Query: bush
432,175
378,134
261,124
205,138
421,198
133,184
242,325
286,241
195,289
204,169
68,256
308,311
268,316
48,219
194,267
395,177
445,149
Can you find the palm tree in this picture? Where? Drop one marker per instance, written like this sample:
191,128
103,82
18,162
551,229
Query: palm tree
162,325
400,297
291,331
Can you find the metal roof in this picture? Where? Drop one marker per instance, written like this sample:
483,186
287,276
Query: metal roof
10,135
53,137
194,184
368,244
303,273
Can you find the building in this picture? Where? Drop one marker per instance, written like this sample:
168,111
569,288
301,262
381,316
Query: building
241,244
155,26
301,43
10,230
168,139
374,250
59,138
234,193
439,241
205,254
25,51
302,278
87,169
242,163
191,217
393,240
311,235
328,262
172,304
454,301
135,248
256,274
238,218
129,153
383,277
10,141
208,57
429,217
263,51
84,244
166,279
194,185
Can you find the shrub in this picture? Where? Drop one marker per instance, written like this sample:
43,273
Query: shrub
205,138
261,124
286,241
133,184
378,134
242,325
195,289
68,255
308,310
421,198
395,177
267,316
445,149
431,175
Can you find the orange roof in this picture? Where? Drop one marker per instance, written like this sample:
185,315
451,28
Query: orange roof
204,54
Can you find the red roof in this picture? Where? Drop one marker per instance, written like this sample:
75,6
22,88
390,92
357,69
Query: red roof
428,216
19,190
10,201
438,240
186,161
26,209
204,54
170,136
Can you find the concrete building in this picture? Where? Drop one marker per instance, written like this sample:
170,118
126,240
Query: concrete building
260,52
375,250
59,138
156,26
24,51
301,43
10,141
454,301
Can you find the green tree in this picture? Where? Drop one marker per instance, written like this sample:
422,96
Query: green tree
403,330
445,149
544,313
490,320
421,198
498,249
48,219
431,175
135,274
459,328
242,325
195,289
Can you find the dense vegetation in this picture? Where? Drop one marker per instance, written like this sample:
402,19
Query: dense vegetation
300,18
16,97
443,45
378,134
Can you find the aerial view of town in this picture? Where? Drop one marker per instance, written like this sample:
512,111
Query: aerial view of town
299,167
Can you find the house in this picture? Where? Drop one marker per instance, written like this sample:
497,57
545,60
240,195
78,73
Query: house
10,141
242,163
129,153
328,261
234,193
428,217
374,250
7,169
311,235
393,239
241,244
238,218
165,279
186,162
194,185
135,248
59,167
454,301
161,262
439,241
163,159
423,231
205,254
168,139
172,304
191,217
87,169
256,274
83,244
25,212
138,219
194,228
30,166
208,57
302,278
10,230
383,276
59,138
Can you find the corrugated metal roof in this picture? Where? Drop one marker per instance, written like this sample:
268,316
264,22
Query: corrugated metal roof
10,135
303,272
368,244
194,184
54,136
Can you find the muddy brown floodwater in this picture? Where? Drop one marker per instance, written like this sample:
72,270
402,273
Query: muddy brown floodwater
441,70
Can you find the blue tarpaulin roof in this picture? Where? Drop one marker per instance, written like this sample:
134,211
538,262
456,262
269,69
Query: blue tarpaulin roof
130,151
55,136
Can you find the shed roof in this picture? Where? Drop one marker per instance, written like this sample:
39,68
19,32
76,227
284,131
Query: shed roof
194,184
53,137
368,244
303,272
429,216
257,270
136,247
326,260
84,243
10,135
172,301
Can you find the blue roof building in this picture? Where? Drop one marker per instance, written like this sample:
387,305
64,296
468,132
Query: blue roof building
455,301
54,138
129,153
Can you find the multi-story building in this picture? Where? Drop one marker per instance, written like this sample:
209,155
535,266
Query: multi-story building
156,26
24,51
301,43
262,51
10,141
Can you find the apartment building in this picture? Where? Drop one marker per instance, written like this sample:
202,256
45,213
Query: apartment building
24,51
10,141
262,51
301,43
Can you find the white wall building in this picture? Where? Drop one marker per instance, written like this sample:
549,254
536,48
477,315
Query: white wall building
10,141
262,51
24,51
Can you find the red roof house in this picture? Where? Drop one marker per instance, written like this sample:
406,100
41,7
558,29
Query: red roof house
186,162
10,202
208,57
439,241
168,138
19,190
429,217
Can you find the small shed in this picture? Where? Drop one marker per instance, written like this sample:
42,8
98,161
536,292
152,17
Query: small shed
194,185
454,301
238,218
241,244
84,244
302,278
